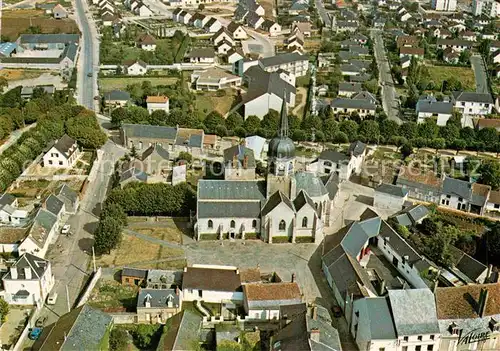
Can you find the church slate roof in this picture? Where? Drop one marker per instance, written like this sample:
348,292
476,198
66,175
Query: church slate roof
236,209
302,199
276,199
231,190
310,183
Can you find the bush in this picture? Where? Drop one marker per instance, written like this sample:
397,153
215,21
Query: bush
251,236
209,236
280,239
118,340
144,335
304,239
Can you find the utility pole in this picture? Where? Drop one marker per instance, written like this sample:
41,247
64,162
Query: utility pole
93,258
67,298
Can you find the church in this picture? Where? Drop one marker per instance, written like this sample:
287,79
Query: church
288,206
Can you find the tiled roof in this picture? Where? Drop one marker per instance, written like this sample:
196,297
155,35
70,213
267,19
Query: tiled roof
212,279
236,209
272,291
417,175
157,99
310,183
158,298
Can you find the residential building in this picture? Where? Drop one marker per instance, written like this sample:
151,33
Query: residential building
69,197
223,47
362,107
135,67
287,206
239,163
143,11
133,276
223,35
411,216
465,196
493,203
489,8
201,55
467,269
412,52
157,102
27,91
63,154
116,98
84,326
451,56
272,27
292,63
237,31
184,327
59,12
429,107
455,44
28,281
468,317
444,5
262,301
422,184
146,42
234,55
9,212
304,27
348,89
158,305
41,234
390,196
472,103
214,78
211,284
7,49
213,25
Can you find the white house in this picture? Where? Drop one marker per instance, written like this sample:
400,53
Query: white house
273,28
63,154
388,196
465,196
444,5
223,35
493,203
237,31
28,281
9,213
262,301
455,44
157,103
136,68
473,104
201,55
147,42
363,107
234,55
223,47
211,283
213,25
41,233
144,11
429,107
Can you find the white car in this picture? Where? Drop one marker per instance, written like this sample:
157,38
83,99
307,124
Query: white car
65,229
51,300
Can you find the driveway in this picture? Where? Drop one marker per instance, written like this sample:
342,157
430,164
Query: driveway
477,65
325,18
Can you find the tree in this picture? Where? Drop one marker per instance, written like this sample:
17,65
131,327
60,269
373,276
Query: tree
201,7
118,340
488,136
371,86
340,138
233,121
144,333
493,244
4,310
369,130
251,124
428,130
133,152
221,130
118,115
270,123
350,128
408,130
3,83
406,150
184,156
464,57
438,143
212,120
330,127
490,174
85,129
389,129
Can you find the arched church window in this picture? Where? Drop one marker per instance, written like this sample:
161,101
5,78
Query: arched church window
282,225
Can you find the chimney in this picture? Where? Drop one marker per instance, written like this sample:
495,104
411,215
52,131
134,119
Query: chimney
315,334
13,272
314,311
488,273
185,269
382,287
483,302
245,162
177,291
27,273
293,277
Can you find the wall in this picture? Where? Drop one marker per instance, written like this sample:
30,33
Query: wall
263,314
424,343
124,318
226,223
452,202
90,287
211,296
279,213
387,201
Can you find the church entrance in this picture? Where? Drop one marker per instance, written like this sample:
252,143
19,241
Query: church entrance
232,235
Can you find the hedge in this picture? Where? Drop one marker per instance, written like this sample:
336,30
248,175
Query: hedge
209,236
251,236
280,239
304,239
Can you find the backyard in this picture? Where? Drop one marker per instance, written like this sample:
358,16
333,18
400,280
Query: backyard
18,21
20,74
464,74
210,101
29,191
110,295
108,84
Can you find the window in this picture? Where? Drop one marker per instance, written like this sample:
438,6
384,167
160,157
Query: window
233,224
430,347
431,337
60,163
282,225
460,199
50,162
381,349
497,206
405,338
405,348
254,223
418,348
419,338
210,224
304,222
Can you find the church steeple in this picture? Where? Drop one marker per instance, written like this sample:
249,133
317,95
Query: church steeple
283,131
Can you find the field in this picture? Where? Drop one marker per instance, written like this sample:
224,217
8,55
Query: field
111,295
464,74
209,101
172,235
18,21
107,84
19,74
140,253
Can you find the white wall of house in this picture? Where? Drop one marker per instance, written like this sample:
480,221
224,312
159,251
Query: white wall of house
259,314
240,33
441,120
388,201
455,202
492,206
38,289
30,246
409,273
211,296
297,68
413,341
148,47
202,59
309,213
8,247
273,219
214,28
361,112
54,158
473,108
223,36
274,30
153,106
144,11
344,170
224,224
261,105
136,70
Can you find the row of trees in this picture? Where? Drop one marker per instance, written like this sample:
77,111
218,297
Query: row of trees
138,199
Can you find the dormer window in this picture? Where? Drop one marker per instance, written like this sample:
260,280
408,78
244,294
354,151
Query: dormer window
494,325
454,329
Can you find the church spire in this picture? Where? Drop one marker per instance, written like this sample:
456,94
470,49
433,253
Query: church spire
283,131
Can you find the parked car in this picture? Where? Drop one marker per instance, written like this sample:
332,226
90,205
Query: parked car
35,333
89,74
65,229
51,299
40,322
337,311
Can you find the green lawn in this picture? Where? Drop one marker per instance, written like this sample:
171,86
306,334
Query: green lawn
107,84
464,74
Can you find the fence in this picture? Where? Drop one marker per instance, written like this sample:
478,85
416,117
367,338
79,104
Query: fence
124,317
90,287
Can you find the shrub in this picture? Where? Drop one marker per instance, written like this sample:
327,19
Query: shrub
280,239
304,239
118,340
251,236
209,236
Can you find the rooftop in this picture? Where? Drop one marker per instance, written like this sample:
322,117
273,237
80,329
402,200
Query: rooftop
272,291
214,279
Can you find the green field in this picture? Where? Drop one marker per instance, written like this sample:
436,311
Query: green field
107,84
464,74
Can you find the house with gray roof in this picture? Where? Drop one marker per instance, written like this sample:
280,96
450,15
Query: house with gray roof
238,208
41,233
54,206
473,103
411,216
28,281
239,163
182,329
389,196
84,327
63,154
362,107
464,195
467,269
429,107
117,98
158,305
348,89
201,55
9,212
69,197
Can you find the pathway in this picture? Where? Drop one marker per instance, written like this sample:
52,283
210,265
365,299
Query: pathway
480,75
16,134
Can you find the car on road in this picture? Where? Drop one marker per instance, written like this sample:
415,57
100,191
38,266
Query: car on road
89,74
337,311
51,299
65,229
40,322
35,333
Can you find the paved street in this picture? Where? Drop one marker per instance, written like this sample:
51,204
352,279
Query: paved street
70,256
88,59
322,13
389,97
480,74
